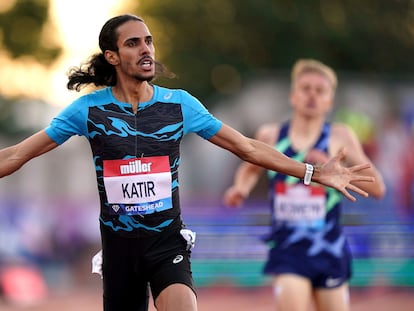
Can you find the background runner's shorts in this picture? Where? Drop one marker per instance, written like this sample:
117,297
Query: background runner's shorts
130,264
324,270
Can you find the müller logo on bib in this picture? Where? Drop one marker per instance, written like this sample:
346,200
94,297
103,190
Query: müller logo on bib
136,166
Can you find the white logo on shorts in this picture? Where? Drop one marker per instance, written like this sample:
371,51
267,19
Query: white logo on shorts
178,259
333,282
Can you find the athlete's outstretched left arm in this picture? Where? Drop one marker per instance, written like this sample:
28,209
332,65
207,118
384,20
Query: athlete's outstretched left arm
331,174
14,157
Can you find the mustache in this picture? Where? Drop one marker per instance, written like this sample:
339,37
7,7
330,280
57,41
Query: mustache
146,58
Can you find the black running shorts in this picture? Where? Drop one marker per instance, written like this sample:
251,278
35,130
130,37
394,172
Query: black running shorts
131,264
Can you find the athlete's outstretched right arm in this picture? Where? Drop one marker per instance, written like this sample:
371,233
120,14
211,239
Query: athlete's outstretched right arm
14,157
331,174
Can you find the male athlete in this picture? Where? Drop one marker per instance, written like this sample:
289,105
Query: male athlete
308,257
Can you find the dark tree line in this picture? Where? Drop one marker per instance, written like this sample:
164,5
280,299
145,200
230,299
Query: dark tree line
210,44
22,28
370,36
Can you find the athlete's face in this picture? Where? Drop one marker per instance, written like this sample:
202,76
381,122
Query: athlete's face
136,53
312,95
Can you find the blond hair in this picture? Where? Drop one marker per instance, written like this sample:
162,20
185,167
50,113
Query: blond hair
311,65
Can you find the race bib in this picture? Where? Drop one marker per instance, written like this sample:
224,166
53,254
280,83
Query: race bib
300,205
138,186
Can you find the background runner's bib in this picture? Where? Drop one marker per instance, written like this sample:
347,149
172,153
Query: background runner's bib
139,185
299,205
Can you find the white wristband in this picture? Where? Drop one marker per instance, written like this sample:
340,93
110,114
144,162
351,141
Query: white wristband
308,175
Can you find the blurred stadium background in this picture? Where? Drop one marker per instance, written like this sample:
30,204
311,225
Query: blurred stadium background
240,69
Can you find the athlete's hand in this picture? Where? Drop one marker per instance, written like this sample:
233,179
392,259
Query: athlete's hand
334,175
233,197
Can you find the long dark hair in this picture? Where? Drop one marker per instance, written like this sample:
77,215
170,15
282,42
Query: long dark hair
97,70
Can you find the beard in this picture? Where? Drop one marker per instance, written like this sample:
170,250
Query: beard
144,78
135,72
159,71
